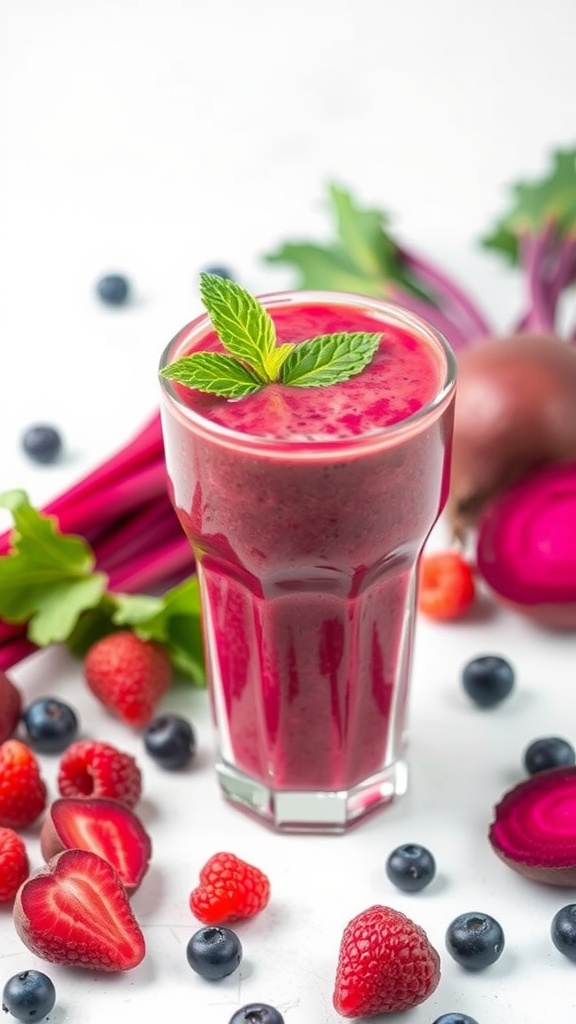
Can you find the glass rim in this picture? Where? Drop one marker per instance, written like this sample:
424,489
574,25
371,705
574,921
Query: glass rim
386,311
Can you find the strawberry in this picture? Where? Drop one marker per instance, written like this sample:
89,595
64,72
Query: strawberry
88,768
105,827
14,866
128,675
75,911
22,789
229,889
386,964
446,586
10,706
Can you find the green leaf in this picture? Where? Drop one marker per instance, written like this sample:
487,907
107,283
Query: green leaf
59,607
361,235
215,373
244,327
326,269
329,359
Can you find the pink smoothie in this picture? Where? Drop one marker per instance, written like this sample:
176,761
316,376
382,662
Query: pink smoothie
307,509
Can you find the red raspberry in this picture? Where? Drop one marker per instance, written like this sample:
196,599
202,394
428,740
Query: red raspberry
88,768
230,889
128,675
10,707
22,789
386,965
14,866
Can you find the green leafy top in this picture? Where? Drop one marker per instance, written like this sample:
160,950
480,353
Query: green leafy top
47,580
253,358
537,206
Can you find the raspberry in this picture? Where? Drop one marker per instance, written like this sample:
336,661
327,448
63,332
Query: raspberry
446,586
386,965
88,768
128,675
10,706
14,866
22,789
229,889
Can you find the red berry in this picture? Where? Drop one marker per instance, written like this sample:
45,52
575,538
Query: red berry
446,586
22,789
105,827
75,911
128,675
229,890
88,768
14,866
10,707
386,965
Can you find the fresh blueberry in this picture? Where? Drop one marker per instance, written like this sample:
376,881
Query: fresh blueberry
170,741
488,680
220,271
214,952
29,995
475,940
51,725
257,1013
563,931
42,443
548,752
455,1018
411,867
113,289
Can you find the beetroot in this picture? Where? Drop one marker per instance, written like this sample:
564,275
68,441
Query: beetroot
534,827
526,545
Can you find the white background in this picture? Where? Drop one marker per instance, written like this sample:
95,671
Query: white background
154,138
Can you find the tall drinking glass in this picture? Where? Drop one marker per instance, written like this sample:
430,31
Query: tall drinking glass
307,510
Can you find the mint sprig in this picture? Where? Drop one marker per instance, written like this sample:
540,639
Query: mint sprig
253,357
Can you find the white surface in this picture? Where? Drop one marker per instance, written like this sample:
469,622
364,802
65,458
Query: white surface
154,138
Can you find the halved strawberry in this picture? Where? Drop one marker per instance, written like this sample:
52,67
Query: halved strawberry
75,911
105,827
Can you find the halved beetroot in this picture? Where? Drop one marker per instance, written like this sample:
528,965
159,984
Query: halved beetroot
534,827
102,826
526,545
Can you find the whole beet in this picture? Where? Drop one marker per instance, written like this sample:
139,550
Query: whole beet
515,410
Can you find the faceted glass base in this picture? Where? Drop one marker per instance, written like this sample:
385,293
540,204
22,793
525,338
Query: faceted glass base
313,812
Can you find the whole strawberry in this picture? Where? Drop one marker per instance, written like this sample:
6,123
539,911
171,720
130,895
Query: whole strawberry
128,675
14,865
10,707
22,789
230,889
386,964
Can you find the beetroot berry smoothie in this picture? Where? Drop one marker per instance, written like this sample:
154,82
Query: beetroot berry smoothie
307,509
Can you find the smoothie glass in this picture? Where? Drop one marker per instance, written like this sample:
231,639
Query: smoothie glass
307,510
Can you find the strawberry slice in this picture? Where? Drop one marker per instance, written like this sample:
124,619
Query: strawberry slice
75,911
105,827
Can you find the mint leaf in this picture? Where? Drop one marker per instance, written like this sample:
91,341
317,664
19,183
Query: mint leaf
328,359
47,578
244,327
215,373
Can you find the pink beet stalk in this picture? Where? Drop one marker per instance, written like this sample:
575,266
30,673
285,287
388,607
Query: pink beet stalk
451,294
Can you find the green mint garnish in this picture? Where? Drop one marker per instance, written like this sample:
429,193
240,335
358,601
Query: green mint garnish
253,358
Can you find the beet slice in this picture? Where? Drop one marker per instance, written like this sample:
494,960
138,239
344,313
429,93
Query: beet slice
105,827
534,827
526,545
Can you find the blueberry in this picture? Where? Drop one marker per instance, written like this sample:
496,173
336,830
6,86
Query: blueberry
410,867
563,931
113,289
214,952
51,725
488,680
475,940
170,741
257,1013
548,752
455,1018
219,271
29,995
42,443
